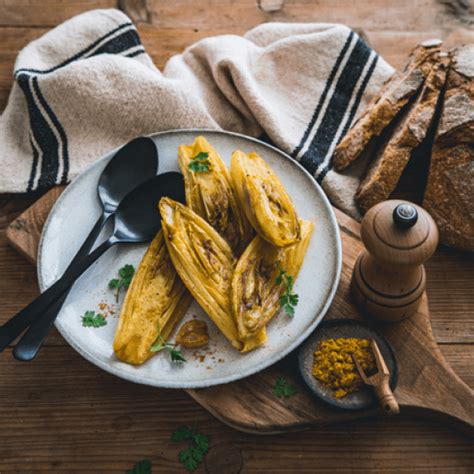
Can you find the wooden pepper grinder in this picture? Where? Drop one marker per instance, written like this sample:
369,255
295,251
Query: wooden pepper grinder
389,279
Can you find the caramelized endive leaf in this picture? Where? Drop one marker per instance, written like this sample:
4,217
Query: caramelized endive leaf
205,263
264,199
255,293
210,195
156,301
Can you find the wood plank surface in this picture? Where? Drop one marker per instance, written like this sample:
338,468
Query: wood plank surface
370,15
87,420
61,414
45,13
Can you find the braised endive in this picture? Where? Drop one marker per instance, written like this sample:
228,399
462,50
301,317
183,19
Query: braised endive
155,302
264,199
205,263
255,290
210,195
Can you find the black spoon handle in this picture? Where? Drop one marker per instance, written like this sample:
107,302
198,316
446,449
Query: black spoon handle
30,343
28,314
32,340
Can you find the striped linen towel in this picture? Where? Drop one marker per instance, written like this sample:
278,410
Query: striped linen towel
89,86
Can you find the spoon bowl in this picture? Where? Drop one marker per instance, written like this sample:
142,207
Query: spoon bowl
133,164
137,218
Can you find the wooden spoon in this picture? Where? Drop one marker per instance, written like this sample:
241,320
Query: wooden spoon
379,381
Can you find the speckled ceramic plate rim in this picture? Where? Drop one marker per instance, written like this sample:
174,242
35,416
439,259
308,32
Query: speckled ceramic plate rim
136,378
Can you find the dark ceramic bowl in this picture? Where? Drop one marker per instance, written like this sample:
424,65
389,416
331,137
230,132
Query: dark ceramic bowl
363,398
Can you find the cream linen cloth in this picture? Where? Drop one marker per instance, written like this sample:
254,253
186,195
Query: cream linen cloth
89,86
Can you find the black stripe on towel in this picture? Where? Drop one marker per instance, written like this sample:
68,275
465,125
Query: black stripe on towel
360,92
120,43
39,125
135,53
31,181
337,107
322,99
354,108
59,129
79,54
43,136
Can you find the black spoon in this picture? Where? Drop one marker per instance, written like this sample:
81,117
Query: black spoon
137,220
133,164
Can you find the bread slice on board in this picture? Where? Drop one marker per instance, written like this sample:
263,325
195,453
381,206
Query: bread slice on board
449,195
408,133
394,95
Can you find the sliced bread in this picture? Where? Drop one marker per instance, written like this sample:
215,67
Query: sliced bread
395,94
409,132
449,195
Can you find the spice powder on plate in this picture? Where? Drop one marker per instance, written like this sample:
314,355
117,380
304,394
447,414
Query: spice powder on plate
333,365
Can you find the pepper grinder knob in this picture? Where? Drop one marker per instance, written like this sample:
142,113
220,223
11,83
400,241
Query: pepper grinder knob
389,279
405,216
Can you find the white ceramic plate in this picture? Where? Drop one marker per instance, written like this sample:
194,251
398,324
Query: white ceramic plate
77,210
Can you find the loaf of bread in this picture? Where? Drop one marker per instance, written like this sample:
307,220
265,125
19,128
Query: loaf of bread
405,135
449,195
395,94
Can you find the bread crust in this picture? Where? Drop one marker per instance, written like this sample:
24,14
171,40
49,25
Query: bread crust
394,95
449,195
409,132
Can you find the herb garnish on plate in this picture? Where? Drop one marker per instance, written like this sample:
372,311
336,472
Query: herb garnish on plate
126,275
288,299
200,162
160,344
91,319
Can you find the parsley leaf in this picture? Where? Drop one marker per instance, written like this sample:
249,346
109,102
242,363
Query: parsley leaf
202,442
288,299
126,272
282,388
141,467
126,275
176,355
189,459
93,320
200,162
191,456
160,344
183,433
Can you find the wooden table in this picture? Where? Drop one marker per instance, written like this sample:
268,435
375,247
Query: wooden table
60,413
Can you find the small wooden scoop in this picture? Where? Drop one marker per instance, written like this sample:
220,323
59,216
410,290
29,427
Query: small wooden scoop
379,381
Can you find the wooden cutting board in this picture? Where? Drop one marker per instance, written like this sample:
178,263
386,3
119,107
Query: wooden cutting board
427,386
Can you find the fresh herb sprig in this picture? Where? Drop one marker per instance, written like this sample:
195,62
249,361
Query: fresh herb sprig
141,467
175,354
288,299
200,162
283,388
91,319
198,446
160,344
126,274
